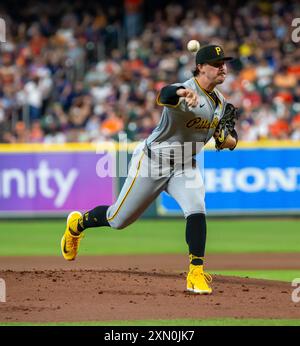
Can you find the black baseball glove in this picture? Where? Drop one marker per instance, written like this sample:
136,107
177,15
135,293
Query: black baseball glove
226,126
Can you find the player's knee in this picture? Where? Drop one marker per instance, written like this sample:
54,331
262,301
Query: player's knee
120,226
200,210
117,224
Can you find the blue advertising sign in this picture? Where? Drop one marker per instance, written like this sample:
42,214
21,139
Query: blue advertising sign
264,180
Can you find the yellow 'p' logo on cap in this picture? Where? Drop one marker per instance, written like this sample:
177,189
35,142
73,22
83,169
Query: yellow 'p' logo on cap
218,50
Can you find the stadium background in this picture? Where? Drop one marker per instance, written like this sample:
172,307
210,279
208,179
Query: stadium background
77,78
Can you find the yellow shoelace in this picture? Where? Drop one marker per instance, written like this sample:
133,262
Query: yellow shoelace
208,277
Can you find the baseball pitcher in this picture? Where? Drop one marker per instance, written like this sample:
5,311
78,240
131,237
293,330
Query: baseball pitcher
193,112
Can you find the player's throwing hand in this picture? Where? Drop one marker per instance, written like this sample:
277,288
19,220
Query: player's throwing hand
190,96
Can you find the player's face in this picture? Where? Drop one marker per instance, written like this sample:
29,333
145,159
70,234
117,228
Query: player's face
215,71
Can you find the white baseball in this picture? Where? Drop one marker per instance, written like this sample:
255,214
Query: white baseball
193,46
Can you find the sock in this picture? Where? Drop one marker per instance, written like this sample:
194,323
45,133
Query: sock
93,218
196,237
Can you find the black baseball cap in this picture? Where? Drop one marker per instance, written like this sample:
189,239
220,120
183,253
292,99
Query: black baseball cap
211,53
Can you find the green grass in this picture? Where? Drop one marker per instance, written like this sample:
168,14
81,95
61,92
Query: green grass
280,275
209,322
42,237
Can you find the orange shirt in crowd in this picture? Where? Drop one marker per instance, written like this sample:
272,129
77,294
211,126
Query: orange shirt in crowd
285,80
295,70
279,129
112,125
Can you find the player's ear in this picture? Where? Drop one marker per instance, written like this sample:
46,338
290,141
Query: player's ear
196,71
200,67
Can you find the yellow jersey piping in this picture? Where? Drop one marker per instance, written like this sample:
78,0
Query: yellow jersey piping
165,104
130,187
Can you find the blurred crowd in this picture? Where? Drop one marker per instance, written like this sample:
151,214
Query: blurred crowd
88,71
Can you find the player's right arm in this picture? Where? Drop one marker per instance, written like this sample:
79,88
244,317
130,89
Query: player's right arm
170,96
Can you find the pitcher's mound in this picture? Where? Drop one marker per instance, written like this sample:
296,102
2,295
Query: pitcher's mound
131,294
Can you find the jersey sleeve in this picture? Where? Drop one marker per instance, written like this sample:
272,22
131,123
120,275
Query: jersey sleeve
167,96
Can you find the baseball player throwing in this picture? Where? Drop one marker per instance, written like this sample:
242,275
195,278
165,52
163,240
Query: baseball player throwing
193,112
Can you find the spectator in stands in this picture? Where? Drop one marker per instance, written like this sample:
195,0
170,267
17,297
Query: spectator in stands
69,73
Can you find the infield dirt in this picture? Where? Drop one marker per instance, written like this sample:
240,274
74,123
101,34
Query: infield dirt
48,289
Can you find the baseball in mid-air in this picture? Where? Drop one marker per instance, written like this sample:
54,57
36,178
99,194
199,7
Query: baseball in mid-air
193,46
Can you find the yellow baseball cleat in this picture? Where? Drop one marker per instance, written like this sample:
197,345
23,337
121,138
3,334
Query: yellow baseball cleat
198,280
69,242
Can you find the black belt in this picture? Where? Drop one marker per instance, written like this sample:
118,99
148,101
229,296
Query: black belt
152,155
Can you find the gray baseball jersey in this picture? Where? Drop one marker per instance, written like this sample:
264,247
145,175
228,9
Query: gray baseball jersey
183,124
148,177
